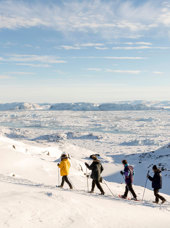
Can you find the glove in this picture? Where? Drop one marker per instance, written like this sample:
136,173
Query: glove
86,163
121,172
147,176
58,164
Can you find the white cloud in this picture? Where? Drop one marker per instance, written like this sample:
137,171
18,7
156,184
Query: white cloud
131,48
114,19
36,58
138,43
139,48
33,65
5,77
143,43
111,57
46,59
164,17
124,71
94,69
21,73
67,47
91,45
14,22
80,46
124,57
158,72
101,48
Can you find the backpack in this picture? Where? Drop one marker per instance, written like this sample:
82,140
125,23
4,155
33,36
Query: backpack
131,169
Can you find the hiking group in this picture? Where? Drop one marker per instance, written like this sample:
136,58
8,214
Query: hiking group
128,173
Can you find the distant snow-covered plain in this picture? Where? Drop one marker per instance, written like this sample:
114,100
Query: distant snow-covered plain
117,132
32,141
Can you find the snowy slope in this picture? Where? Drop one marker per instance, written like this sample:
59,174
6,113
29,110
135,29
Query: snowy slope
29,198
143,162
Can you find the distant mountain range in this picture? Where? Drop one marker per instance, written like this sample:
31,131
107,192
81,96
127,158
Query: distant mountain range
82,106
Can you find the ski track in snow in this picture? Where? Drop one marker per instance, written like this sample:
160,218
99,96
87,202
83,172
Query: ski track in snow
25,182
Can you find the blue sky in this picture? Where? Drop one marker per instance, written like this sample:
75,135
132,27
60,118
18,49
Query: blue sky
94,51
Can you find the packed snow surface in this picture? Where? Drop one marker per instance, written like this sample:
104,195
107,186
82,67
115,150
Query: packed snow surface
31,143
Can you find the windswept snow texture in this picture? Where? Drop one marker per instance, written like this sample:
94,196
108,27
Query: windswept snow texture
31,143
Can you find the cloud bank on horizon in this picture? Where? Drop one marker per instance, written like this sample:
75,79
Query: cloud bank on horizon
84,50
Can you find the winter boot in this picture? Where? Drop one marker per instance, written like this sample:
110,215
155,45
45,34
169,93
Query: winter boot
102,193
59,186
123,197
163,201
155,202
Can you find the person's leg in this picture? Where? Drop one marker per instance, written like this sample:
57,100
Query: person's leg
132,191
93,186
156,195
156,192
99,187
68,182
126,191
62,182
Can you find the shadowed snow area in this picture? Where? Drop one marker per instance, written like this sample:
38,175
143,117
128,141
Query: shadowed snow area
31,143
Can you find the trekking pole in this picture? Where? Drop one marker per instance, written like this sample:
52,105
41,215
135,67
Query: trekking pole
123,178
108,187
87,180
145,185
58,176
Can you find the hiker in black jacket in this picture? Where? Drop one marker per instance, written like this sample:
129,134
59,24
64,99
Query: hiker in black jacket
97,169
157,184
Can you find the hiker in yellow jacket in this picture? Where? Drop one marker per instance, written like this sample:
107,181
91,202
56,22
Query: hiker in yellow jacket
64,166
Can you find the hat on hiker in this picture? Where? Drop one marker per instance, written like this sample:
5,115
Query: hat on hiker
154,167
64,156
124,162
93,157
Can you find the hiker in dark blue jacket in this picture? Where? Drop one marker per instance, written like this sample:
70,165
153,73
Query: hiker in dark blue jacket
157,184
128,173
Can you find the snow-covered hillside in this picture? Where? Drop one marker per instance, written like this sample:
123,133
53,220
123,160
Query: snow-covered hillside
21,106
29,197
143,162
156,104
31,143
99,107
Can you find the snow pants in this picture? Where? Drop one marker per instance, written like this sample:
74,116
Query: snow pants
129,188
65,179
94,183
157,196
